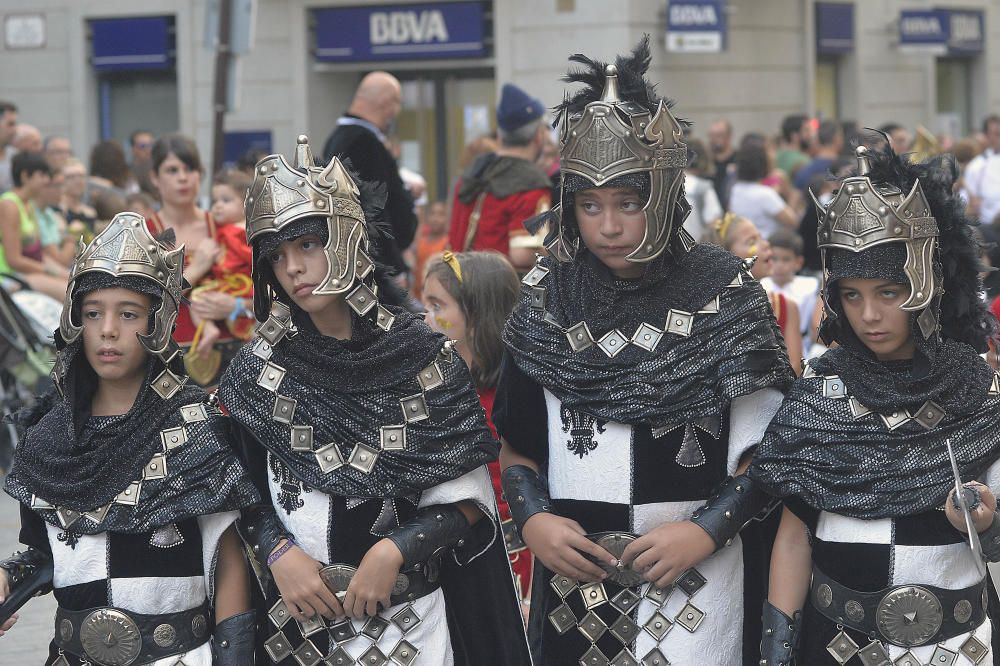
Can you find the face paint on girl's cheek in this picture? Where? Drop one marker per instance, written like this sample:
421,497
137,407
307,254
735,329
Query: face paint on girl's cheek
443,323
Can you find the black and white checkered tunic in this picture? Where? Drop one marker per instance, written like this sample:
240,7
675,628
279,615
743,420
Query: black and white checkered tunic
614,477
167,570
870,555
333,529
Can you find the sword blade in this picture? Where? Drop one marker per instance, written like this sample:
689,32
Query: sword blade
974,543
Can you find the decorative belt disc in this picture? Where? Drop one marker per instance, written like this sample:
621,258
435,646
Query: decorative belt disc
110,637
909,616
338,576
615,543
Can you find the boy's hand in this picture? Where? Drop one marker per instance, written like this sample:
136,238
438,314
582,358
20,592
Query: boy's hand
667,551
559,543
304,592
4,591
372,584
982,515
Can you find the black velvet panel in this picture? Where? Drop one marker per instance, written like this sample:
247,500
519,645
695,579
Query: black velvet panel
658,477
132,555
595,516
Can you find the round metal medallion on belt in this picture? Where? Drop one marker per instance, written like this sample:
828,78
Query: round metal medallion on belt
337,577
110,637
164,635
854,611
402,585
963,611
199,626
615,544
909,616
824,596
65,630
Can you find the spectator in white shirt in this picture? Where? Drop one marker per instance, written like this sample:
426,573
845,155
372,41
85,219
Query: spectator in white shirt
982,177
700,191
787,259
759,203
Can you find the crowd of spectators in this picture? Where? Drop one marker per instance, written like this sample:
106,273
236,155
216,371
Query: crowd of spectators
751,194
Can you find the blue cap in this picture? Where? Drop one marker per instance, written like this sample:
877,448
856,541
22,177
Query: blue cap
517,108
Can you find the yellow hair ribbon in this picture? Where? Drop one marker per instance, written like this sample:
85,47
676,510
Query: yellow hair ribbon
449,258
723,225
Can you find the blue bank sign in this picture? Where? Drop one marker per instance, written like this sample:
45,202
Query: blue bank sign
696,27
400,32
941,31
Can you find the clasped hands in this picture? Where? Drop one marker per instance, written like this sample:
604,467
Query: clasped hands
306,595
661,555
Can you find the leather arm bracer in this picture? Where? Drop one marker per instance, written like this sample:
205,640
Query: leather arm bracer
29,573
526,493
262,530
730,508
233,640
780,637
990,540
429,534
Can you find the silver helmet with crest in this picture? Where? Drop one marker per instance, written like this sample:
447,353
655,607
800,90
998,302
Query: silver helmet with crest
126,255
615,128
283,194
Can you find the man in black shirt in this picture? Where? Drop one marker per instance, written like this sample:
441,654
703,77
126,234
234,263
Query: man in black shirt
360,137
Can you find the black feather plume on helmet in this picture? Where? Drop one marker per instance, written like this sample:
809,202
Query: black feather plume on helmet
632,83
965,316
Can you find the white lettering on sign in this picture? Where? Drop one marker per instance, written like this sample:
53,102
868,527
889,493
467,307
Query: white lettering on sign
921,26
407,27
698,15
965,28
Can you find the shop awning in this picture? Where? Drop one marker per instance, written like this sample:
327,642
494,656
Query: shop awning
834,28
141,42
400,32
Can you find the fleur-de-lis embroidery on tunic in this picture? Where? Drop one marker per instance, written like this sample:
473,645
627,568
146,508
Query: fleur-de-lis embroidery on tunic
69,537
289,497
581,429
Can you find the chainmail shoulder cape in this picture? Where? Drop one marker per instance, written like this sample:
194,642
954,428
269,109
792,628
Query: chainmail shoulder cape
953,375
839,458
61,470
727,353
357,392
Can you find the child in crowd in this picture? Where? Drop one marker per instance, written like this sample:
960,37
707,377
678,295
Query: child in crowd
741,237
128,486
432,238
468,298
231,271
141,203
787,259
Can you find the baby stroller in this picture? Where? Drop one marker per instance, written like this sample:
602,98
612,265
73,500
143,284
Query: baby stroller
27,320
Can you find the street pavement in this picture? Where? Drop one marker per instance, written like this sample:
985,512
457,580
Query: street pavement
27,644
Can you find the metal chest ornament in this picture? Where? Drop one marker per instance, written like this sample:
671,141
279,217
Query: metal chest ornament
612,137
863,215
282,193
125,248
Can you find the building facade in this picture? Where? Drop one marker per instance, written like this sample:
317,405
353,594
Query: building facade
104,68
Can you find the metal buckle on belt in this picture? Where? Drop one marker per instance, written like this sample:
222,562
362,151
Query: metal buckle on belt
338,577
110,637
615,543
904,615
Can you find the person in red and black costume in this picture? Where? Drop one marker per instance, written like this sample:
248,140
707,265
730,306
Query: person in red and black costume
503,189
